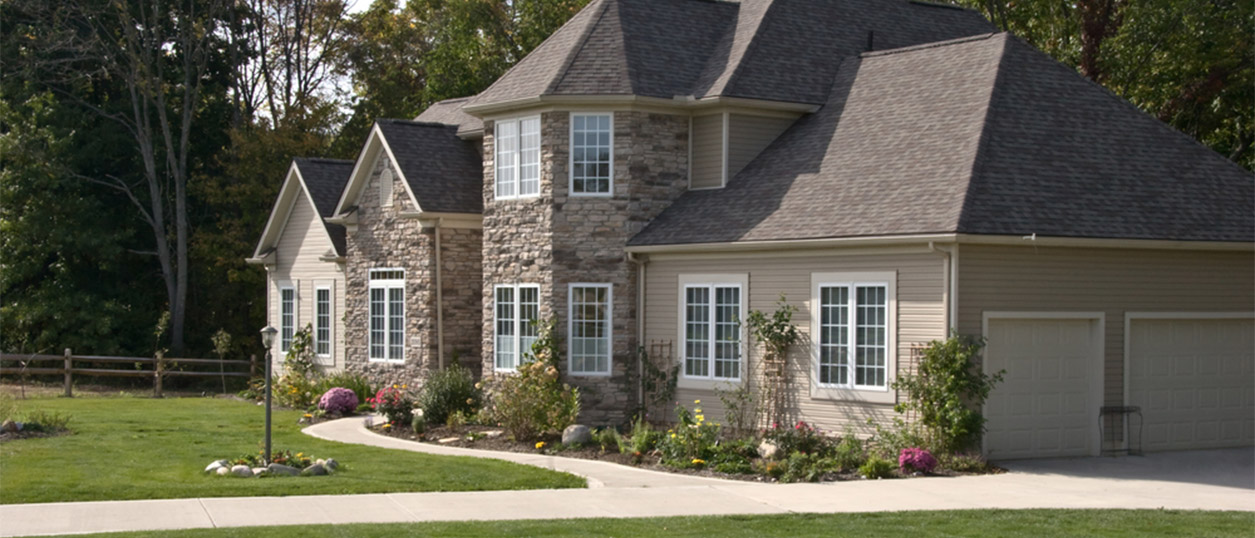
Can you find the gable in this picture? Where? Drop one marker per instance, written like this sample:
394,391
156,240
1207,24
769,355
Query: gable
293,198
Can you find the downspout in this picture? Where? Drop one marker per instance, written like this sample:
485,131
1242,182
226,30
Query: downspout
439,301
640,324
949,291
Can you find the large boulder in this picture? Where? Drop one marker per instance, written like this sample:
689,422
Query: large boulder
223,471
316,469
331,464
282,470
242,471
577,434
214,466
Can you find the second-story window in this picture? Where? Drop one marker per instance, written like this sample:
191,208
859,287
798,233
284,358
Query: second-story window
518,157
592,154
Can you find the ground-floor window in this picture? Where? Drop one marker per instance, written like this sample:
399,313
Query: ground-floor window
852,331
712,331
287,316
387,315
322,321
516,308
589,329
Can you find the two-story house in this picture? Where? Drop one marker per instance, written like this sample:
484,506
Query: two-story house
895,169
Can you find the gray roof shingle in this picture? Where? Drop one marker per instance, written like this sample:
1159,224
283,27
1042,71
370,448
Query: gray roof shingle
444,172
449,112
325,180
981,135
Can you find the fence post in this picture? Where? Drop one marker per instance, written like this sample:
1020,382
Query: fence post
158,371
252,366
69,368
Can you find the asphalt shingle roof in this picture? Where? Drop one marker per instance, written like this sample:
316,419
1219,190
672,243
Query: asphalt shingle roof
325,179
449,112
982,135
444,172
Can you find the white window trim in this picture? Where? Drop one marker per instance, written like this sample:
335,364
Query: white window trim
571,157
296,312
850,391
518,325
570,329
726,280
518,150
386,284
331,325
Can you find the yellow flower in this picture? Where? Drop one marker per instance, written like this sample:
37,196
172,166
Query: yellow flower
701,418
307,415
386,426
697,401
698,410
394,386
404,386
673,436
299,454
699,461
540,445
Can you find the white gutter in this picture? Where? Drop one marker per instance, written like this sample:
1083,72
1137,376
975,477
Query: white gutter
640,262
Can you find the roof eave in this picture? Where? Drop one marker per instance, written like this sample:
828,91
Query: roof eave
679,101
958,238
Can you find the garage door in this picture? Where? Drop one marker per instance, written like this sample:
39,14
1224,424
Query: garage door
1047,404
1194,380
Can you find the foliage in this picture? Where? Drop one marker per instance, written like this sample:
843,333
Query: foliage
8,407
849,454
394,403
534,401
740,409
888,442
608,439
350,380
644,438
417,422
801,437
803,467
456,420
777,334
46,421
338,400
946,392
692,438
963,463
657,377
298,386
448,391
876,467
916,460
734,457
283,457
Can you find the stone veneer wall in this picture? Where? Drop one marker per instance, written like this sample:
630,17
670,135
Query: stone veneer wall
461,254
555,239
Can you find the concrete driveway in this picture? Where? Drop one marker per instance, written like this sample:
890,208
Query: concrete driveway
1227,467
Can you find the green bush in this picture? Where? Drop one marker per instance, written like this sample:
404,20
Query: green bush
8,407
644,438
801,437
456,420
734,457
297,387
946,392
848,455
44,421
889,442
802,467
692,442
449,391
534,402
876,467
963,463
350,380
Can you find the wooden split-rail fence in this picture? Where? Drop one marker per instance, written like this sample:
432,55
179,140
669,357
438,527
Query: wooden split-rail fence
158,368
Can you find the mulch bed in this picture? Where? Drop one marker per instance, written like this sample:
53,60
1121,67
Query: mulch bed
13,436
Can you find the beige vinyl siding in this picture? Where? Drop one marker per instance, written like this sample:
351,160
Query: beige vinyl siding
1111,281
707,167
303,241
921,316
750,135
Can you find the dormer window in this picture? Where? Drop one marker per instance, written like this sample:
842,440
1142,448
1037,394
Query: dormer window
592,154
518,157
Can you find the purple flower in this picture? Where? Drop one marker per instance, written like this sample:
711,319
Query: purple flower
916,459
338,400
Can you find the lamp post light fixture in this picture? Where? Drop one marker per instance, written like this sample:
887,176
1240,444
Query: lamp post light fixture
268,339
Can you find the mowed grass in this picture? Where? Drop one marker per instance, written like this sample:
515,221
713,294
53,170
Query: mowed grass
1003,523
144,448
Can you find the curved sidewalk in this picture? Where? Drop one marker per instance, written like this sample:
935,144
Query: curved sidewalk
627,492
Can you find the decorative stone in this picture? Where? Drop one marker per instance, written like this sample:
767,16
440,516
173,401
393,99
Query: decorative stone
242,471
768,450
214,466
493,434
577,434
223,471
283,470
258,471
8,426
448,440
331,464
315,470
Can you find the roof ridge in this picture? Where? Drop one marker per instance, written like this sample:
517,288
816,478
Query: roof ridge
323,159
575,51
979,156
415,123
932,45
938,4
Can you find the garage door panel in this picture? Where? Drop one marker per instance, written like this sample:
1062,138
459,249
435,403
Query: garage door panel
1208,398
1044,405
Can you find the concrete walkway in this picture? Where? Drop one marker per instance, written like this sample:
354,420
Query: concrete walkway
619,491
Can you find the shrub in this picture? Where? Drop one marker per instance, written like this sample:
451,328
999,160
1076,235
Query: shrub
608,439
8,407
802,437
449,391
350,380
297,386
876,467
803,467
848,455
740,409
338,400
889,442
734,457
964,463
916,460
45,421
394,404
692,439
776,334
534,402
644,438
946,392
455,421
774,469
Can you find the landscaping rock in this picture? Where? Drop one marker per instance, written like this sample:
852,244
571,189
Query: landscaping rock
258,471
331,464
448,440
577,434
214,466
768,450
223,471
493,434
8,426
281,469
242,471
315,470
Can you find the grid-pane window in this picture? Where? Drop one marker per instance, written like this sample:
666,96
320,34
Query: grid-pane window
712,331
591,153
834,335
871,349
517,155
516,308
287,317
387,314
589,346
322,322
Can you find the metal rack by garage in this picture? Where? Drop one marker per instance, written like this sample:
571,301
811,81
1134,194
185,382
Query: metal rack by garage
1119,426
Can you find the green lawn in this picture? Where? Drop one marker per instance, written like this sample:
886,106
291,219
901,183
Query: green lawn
143,448
1003,523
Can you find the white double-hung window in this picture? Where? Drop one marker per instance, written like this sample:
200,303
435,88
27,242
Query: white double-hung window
387,315
322,321
517,154
589,329
712,308
516,307
287,316
592,154
854,334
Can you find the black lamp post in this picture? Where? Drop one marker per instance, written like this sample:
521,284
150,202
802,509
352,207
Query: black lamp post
268,340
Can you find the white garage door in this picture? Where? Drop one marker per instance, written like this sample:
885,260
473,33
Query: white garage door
1047,404
1194,380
